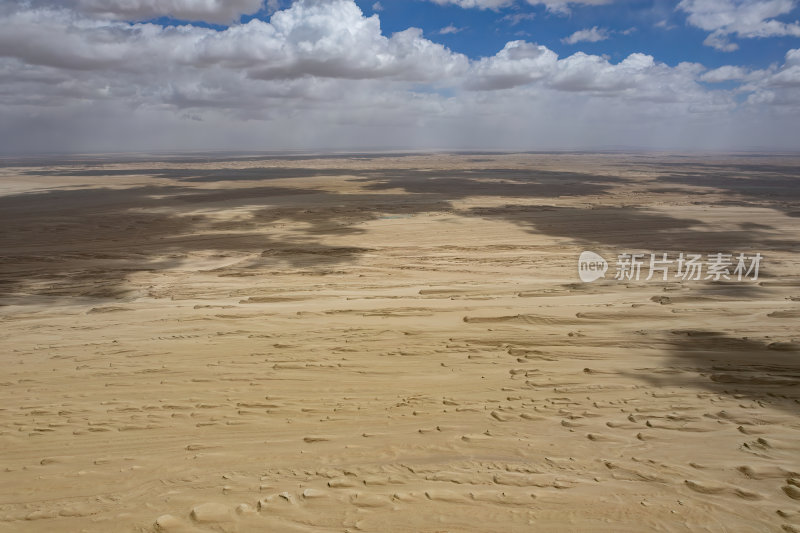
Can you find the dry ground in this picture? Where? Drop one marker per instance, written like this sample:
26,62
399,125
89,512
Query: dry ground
395,343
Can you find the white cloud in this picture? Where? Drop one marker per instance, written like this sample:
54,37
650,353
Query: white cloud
479,4
214,11
516,18
725,73
321,74
518,63
789,74
591,35
450,29
595,34
312,38
740,18
719,40
377,6
777,87
637,78
561,7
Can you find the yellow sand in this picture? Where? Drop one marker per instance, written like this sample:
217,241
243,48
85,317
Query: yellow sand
396,343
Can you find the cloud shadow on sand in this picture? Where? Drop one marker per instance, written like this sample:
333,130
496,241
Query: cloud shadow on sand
718,362
86,242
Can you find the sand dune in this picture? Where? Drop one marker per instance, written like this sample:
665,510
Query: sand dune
396,343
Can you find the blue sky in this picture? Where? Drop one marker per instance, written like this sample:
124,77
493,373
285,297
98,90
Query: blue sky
656,28
400,74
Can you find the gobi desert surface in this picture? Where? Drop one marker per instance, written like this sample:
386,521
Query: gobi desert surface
396,343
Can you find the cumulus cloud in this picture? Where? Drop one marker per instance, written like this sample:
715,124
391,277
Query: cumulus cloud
518,63
591,35
724,73
213,11
322,74
312,38
637,77
740,18
776,87
789,75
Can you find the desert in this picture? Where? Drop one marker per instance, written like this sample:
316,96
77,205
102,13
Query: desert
396,342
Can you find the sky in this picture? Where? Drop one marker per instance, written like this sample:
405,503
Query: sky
93,76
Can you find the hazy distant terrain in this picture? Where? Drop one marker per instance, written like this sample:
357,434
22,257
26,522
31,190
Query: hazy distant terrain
396,342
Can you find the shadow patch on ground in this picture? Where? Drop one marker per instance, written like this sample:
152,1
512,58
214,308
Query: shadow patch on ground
767,372
515,183
87,242
630,228
748,185
67,236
